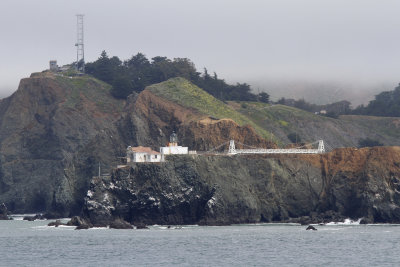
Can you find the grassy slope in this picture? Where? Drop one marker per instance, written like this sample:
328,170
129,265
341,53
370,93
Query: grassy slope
264,118
91,89
345,131
183,92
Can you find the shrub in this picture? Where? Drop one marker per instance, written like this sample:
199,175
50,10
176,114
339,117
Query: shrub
368,142
294,138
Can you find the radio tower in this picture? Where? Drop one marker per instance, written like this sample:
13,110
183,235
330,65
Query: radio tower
80,53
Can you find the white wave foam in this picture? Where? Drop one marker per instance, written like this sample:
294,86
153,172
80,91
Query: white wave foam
346,222
20,217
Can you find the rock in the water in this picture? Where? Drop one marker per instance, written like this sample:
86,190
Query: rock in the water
3,212
120,224
32,218
56,223
143,226
29,218
366,221
82,227
310,227
77,221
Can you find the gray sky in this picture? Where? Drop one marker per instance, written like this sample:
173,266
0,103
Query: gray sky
271,44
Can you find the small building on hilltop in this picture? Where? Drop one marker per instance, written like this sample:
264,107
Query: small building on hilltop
142,154
53,65
172,147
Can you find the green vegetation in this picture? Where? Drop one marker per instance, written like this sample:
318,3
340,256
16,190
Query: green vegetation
135,74
385,104
91,89
332,110
294,138
183,92
367,142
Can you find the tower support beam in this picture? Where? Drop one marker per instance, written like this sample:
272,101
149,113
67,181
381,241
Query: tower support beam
80,52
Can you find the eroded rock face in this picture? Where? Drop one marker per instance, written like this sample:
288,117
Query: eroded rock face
50,134
217,190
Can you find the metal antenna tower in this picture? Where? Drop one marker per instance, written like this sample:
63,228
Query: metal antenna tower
80,53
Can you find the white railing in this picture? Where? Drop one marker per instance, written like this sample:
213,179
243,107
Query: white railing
232,150
277,151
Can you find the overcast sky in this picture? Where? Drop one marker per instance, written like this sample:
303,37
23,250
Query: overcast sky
267,42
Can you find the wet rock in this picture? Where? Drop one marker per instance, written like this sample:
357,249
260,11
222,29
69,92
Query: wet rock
29,218
82,227
143,226
56,223
120,224
310,227
366,221
3,212
33,218
77,221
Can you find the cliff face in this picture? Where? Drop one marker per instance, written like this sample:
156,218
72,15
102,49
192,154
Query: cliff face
50,129
242,189
55,130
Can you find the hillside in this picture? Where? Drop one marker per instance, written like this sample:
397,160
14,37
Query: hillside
55,131
342,132
183,92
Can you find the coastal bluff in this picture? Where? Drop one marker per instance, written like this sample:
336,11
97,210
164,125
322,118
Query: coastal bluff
56,129
220,190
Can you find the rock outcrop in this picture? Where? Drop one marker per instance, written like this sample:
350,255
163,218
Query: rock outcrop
3,212
215,190
55,130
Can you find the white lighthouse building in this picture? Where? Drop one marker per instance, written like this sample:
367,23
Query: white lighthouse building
172,147
146,154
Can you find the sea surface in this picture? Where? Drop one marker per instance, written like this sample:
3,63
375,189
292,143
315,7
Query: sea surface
24,243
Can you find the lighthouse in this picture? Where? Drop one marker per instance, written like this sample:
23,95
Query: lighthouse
173,147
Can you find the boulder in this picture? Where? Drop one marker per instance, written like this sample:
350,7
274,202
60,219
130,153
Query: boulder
366,221
77,221
29,218
36,217
3,212
310,227
82,226
142,226
120,224
56,223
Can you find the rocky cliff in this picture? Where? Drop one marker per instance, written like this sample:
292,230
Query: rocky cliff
55,130
50,129
247,189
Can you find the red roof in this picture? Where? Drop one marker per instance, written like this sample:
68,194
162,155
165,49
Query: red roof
143,149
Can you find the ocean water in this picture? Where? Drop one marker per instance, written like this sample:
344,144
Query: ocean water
24,243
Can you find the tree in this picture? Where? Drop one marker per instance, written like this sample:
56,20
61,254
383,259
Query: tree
263,97
294,138
384,104
138,72
368,142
